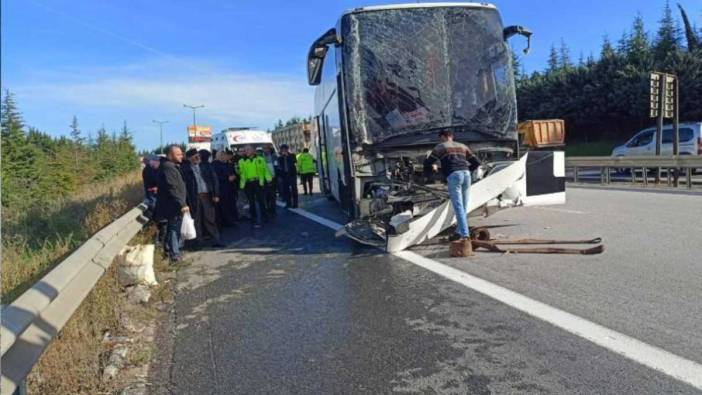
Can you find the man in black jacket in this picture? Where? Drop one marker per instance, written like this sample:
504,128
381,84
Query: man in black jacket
203,193
171,200
287,173
226,175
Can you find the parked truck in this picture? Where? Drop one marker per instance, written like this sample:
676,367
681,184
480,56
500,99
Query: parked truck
388,79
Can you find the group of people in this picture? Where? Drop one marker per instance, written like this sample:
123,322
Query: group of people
178,183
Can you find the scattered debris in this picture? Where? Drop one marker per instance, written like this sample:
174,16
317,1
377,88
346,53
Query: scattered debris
127,323
135,389
138,294
136,265
117,360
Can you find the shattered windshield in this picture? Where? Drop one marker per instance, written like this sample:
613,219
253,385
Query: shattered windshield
421,69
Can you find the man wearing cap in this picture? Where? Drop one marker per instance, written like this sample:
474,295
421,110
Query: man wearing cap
203,193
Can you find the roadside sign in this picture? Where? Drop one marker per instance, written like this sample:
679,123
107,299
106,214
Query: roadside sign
662,98
199,134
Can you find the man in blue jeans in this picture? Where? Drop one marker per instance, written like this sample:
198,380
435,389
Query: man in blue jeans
456,164
171,200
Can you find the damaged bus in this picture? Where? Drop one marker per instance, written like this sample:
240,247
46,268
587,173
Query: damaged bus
388,78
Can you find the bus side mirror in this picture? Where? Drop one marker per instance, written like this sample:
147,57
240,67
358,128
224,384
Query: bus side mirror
315,57
510,31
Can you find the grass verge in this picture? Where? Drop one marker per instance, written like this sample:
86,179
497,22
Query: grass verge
34,241
74,361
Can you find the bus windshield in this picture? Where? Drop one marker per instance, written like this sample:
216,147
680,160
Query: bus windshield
414,70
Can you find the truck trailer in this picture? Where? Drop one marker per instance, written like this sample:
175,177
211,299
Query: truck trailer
388,79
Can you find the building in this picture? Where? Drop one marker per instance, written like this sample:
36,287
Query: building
297,136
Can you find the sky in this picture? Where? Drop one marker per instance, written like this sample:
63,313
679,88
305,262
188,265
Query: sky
111,61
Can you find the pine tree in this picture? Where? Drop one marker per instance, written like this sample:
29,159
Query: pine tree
10,118
516,65
637,45
128,159
22,163
564,56
667,38
693,41
75,131
553,59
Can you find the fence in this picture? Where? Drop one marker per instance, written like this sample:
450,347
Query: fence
675,166
33,319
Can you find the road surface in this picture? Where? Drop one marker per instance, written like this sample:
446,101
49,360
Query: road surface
291,309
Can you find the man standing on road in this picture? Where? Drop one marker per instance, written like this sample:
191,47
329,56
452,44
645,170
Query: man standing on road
171,201
306,168
203,193
149,176
269,188
457,161
226,209
252,177
287,173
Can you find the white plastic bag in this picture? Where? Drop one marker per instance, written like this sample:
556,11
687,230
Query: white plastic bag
187,229
136,265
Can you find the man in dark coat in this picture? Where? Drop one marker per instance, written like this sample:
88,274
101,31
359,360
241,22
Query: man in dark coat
171,200
202,193
226,176
149,176
287,173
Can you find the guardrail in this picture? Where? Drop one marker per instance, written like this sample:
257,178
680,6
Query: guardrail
35,317
675,165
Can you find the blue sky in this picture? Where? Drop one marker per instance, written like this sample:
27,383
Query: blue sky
109,61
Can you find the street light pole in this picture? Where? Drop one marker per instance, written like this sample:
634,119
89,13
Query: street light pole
193,108
160,127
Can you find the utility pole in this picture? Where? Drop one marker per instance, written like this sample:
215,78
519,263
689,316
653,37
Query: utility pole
160,127
193,108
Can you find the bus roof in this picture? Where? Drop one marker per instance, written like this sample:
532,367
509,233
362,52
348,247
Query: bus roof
418,5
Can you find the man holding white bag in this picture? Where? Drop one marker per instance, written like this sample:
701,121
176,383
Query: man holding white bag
171,201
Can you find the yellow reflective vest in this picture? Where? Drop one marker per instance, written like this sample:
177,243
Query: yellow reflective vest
253,169
305,163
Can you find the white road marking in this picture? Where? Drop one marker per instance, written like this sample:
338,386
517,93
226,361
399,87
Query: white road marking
685,370
560,210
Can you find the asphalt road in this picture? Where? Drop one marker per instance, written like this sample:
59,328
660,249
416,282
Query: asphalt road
290,309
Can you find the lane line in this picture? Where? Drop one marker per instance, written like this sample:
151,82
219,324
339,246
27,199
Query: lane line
559,210
685,370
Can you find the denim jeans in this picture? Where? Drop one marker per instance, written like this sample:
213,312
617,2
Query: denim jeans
172,244
459,187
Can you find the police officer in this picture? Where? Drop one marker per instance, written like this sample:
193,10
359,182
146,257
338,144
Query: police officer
253,175
306,168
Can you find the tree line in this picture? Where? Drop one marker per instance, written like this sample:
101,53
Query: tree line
607,98
38,168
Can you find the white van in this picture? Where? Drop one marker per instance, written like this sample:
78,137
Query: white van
235,139
644,142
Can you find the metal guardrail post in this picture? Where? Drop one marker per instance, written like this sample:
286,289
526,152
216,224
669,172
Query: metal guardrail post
644,171
575,174
633,176
689,177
